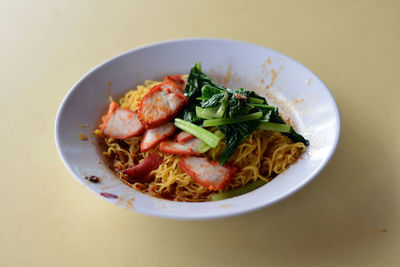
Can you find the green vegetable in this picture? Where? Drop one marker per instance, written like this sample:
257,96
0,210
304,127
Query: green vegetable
238,191
273,126
237,103
217,122
292,134
208,91
203,147
295,137
214,101
234,135
189,114
236,107
196,81
256,100
221,110
206,113
206,136
235,112
262,106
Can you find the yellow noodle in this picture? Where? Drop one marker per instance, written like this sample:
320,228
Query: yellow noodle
262,155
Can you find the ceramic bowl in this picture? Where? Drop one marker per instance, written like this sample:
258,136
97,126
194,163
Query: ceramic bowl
299,93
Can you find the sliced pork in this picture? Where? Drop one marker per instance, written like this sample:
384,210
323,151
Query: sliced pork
140,172
210,174
187,148
159,106
153,137
183,136
174,83
121,123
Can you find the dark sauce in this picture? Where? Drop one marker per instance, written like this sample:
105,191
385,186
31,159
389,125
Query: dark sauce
168,194
93,179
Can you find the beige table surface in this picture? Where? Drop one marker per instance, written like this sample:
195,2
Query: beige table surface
348,216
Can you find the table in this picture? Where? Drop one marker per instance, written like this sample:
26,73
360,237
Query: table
348,216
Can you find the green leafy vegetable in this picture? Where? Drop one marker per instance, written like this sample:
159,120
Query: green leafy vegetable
257,100
238,191
235,134
213,101
189,114
296,137
273,126
204,135
196,81
262,106
208,91
206,113
236,106
217,122
236,113
222,109
292,134
203,147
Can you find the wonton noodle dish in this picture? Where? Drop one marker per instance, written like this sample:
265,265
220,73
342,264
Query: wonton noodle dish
188,138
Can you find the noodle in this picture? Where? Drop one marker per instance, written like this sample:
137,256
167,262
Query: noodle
263,155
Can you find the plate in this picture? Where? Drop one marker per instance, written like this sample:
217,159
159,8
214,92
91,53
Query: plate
299,93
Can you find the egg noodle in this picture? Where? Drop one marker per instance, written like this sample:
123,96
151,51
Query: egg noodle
262,155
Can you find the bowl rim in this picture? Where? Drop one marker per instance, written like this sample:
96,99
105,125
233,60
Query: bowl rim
231,213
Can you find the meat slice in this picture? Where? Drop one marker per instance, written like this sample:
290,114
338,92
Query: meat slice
183,136
140,172
121,123
210,174
153,137
174,83
187,148
159,106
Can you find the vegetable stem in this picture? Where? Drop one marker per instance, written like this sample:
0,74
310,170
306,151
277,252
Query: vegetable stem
217,122
203,147
221,111
272,126
198,65
238,191
256,100
204,135
262,105
206,113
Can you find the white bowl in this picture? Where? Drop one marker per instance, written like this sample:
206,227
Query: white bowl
298,92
